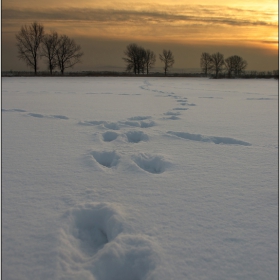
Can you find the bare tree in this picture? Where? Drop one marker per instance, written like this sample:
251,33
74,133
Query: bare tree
49,50
135,58
131,53
239,65
235,65
206,63
141,60
229,64
29,40
217,63
168,59
68,53
150,59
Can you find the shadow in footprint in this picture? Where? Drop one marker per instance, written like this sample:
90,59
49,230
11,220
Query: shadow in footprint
36,115
13,110
61,117
213,139
90,236
152,164
139,118
107,159
109,136
136,136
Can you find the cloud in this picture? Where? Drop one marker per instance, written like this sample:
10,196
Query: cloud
193,15
270,42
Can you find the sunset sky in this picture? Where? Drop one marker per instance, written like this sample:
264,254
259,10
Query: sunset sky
188,28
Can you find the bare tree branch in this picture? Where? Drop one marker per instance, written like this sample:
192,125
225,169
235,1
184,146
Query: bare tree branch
29,40
235,65
68,53
49,48
217,63
150,59
206,63
135,58
168,59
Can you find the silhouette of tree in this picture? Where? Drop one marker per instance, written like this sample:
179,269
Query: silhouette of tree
168,59
131,53
229,64
68,53
150,59
240,65
136,58
235,65
29,40
217,62
141,60
49,50
206,63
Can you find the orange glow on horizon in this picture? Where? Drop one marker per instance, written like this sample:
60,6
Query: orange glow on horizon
247,25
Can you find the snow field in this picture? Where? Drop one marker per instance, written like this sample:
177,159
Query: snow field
139,178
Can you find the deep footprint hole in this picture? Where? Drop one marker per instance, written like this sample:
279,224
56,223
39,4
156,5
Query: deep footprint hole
136,136
151,164
107,159
91,238
110,136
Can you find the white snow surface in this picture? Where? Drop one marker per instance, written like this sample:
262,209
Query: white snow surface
139,178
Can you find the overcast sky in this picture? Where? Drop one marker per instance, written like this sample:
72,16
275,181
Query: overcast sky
188,28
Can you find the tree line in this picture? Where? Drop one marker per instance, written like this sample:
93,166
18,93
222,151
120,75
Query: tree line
62,52
59,51
140,60
216,64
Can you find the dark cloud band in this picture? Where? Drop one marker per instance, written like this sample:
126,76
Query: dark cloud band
196,15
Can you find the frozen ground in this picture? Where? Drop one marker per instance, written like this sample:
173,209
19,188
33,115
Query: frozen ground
139,178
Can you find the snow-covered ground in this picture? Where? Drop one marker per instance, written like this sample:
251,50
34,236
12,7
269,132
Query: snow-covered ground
139,178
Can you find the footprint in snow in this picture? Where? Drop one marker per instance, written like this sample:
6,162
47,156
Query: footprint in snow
103,124
131,136
139,118
213,139
96,243
13,110
142,124
172,118
109,136
172,113
91,123
61,117
155,164
180,109
106,159
36,115
136,136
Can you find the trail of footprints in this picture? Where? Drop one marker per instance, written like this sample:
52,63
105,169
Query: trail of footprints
96,234
154,164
